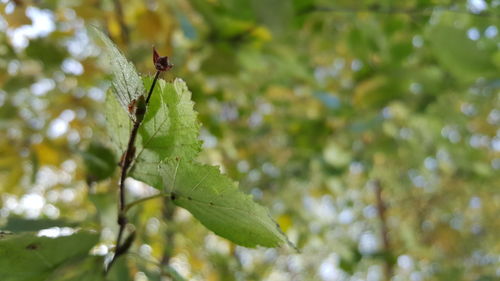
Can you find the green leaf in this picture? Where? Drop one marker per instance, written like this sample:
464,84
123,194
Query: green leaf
89,269
99,161
459,54
119,272
167,143
32,258
170,128
118,124
127,84
46,51
214,200
19,224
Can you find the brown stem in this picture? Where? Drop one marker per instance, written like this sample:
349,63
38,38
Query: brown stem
381,210
127,159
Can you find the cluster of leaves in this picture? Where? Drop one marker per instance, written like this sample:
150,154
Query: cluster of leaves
165,150
167,145
304,102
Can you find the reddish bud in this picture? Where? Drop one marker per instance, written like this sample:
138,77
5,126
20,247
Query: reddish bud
161,63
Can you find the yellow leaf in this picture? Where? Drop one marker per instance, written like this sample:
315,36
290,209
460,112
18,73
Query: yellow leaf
149,25
89,9
10,180
47,155
114,27
367,89
285,221
17,18
262,33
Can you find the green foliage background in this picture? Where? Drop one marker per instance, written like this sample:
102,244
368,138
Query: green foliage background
306,103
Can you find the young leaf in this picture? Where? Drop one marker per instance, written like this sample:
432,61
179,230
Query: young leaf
170,128
214,200
118,124
27,257
127,84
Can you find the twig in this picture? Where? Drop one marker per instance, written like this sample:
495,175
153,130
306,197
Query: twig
144,199
381,210
127,159
121,21
168,214
377,9
140,105
152,86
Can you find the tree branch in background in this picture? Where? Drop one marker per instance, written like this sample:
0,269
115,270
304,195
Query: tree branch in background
121,21
384,230
379,9
168,250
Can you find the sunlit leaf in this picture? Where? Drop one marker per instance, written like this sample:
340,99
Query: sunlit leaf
118,124
127,85
170,128
459,54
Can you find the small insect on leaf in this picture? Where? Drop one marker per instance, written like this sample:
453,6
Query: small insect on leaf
131,106
32,246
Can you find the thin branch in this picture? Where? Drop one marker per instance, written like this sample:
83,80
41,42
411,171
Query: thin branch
121,21
152,86
127,158
381,210
168,215
144,199
377,9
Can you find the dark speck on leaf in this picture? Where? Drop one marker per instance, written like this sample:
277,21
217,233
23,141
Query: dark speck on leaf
32,246
189,198
173,196
211,204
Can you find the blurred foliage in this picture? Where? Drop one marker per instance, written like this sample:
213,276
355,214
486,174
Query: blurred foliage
307,103
36,258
